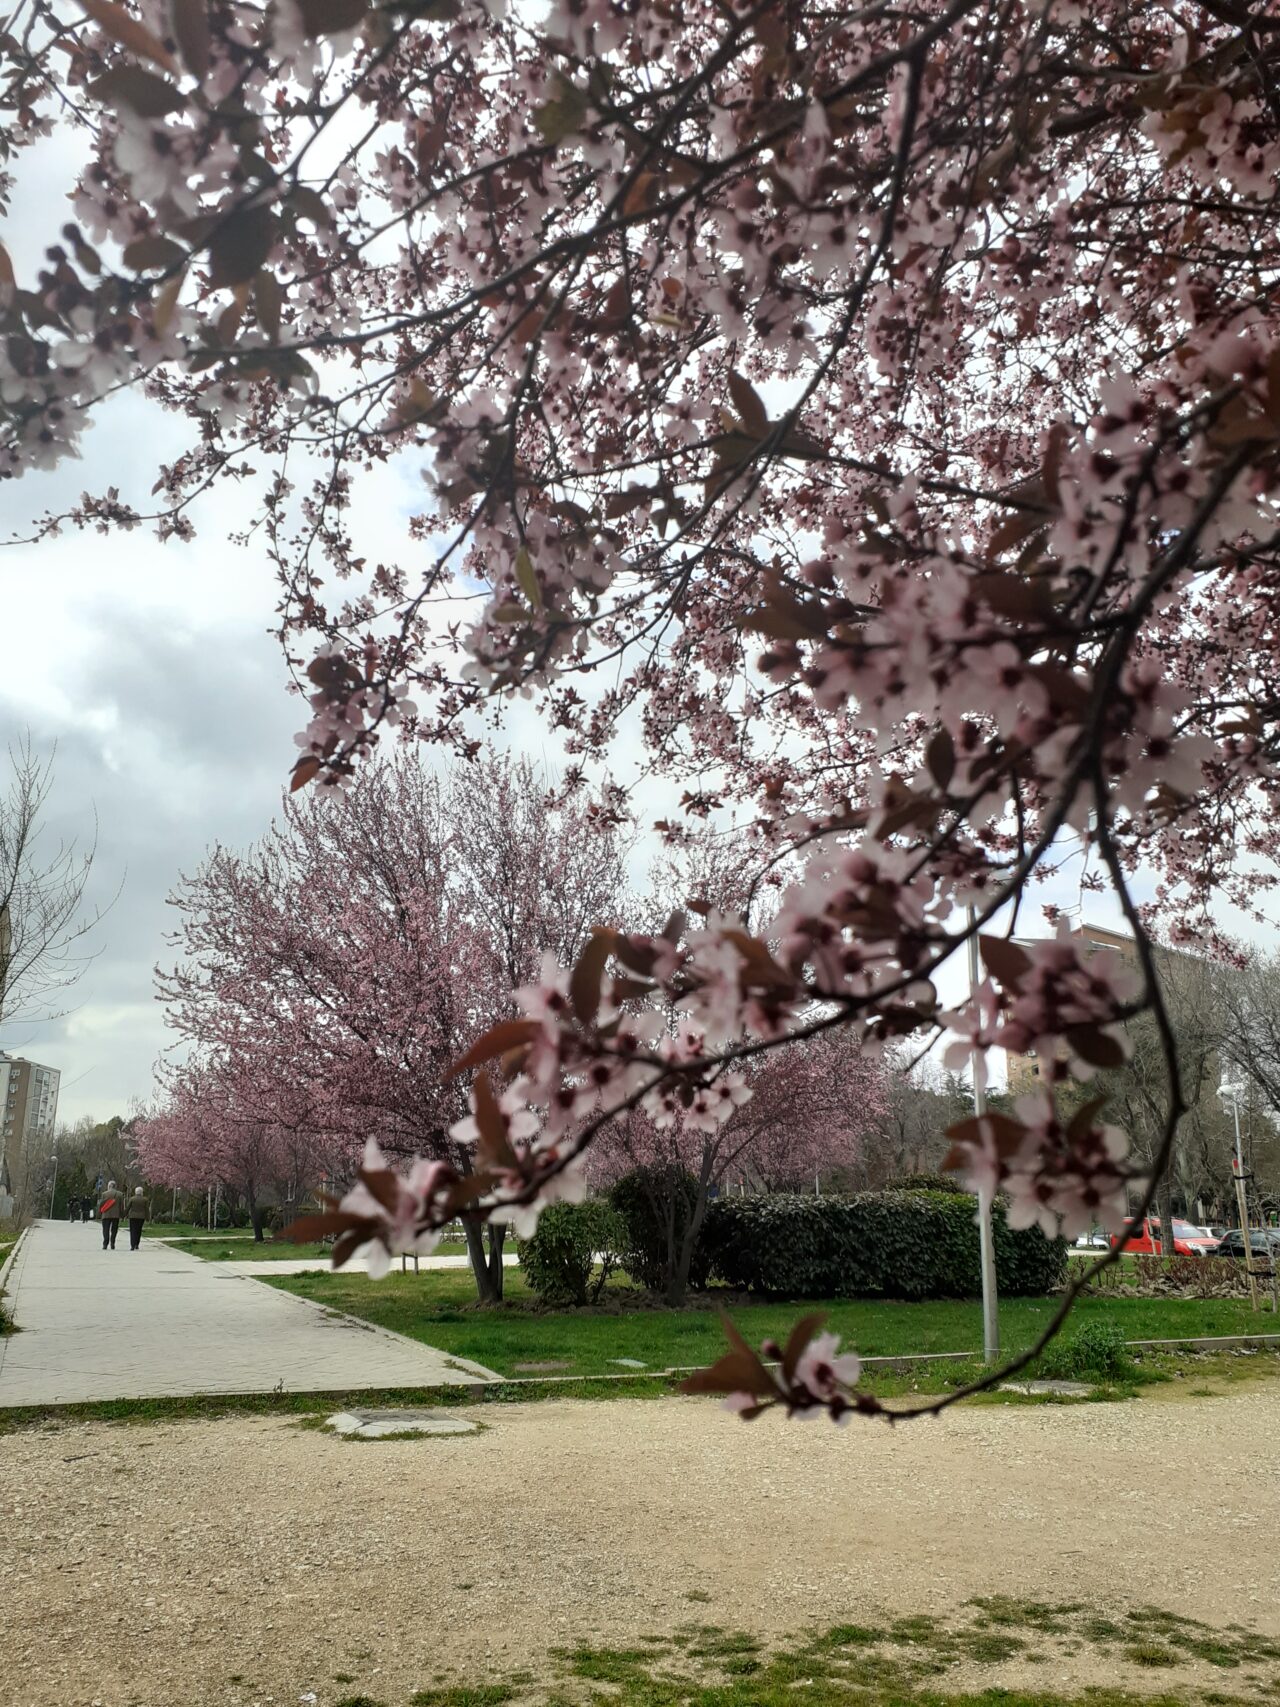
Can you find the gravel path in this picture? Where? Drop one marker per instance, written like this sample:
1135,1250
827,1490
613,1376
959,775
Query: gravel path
212,1542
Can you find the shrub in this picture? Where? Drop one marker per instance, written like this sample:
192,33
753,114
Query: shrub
657,1204
947,1183
891,1244
559,1259
1095,1351
1200,1277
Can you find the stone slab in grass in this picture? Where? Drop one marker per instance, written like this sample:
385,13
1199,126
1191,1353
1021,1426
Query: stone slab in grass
377,1425
629,1362
1065,1389
548,1366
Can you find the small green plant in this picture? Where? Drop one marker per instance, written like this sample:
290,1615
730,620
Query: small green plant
1095,1352
1150,1654
464,1695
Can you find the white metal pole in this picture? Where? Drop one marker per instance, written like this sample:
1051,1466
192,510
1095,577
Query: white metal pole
986,1241
53,1189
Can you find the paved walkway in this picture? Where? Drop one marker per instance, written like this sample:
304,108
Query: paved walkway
118,1324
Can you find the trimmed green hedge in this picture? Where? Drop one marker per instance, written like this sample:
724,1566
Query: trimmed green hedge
890,1244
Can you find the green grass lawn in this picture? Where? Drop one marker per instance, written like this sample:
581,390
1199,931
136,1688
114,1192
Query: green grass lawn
440,1308
223,1249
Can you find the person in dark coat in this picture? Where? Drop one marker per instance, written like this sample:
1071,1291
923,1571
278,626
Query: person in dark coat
110,1206
137,1215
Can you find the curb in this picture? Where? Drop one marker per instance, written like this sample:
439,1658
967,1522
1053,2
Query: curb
12,1257
1225,1342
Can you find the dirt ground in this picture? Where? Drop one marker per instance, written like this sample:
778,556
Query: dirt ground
251,1561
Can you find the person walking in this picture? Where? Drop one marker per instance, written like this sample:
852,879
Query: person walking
109,1208
137,1215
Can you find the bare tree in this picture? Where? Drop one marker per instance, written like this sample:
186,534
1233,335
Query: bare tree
1199,996
43,924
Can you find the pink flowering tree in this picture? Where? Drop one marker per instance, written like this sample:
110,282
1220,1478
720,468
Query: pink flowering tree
877,414
340,967
799,1113
207,1130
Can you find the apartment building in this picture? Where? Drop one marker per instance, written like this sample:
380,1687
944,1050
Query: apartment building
28,1117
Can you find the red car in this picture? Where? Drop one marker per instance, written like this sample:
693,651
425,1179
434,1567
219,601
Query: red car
1188,1241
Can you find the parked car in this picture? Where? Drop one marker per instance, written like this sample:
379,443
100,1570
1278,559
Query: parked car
1188,1241
1093,1240
1264,1241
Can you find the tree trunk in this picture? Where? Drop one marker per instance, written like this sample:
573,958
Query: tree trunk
480,1265
1164,1200
497,1273
255,1214
678,1285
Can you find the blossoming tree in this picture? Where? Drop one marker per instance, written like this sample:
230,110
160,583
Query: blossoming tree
801,1112
209,1129
333,973
884,404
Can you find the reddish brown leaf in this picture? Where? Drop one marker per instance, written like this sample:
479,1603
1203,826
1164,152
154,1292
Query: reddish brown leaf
798,1339
508,1034
735,1372
494,1147
1055,444
1014,529
642,195
1005,1131
308,1228
381,1183
330,17
268,299
1095,1046
346,1245
1013,595
240,245
749,404
1084,1117
940,757
1068,690
738,1371
584,983
1004,960
155,251
125,29
761,963
638,956
149,96
303,772
191,32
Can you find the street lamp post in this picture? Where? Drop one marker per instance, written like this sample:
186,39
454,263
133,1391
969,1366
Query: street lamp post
986,1239
53,1189
1230,1094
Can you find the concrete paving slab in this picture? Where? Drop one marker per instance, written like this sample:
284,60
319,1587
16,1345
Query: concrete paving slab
98,1324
